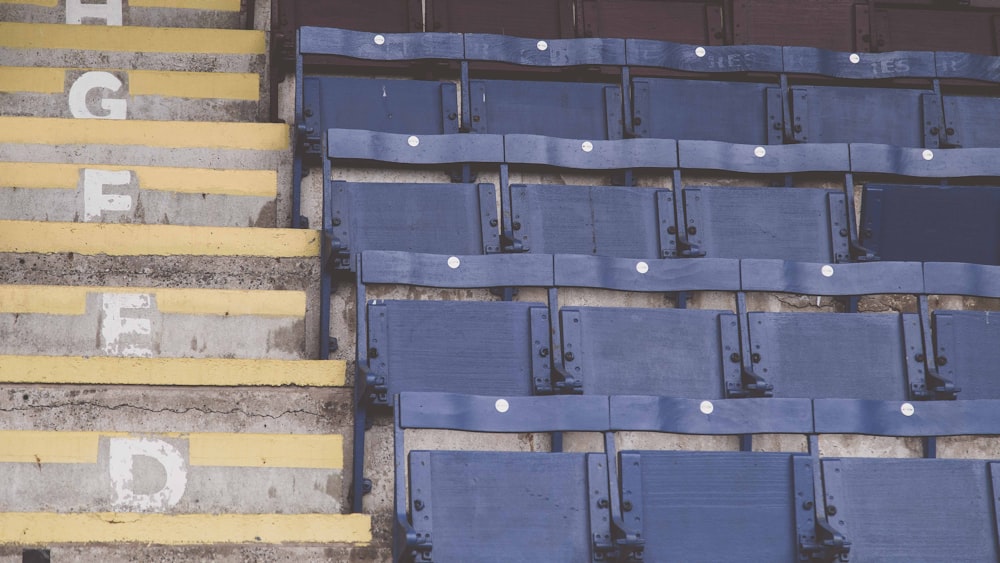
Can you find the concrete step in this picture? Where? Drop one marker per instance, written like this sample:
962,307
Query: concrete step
151,322
150,13
132,48
175,466
177,172
131,94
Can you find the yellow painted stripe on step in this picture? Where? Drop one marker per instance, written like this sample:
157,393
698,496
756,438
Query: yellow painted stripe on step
44,528
48,447
168,134
45,3
39,80
223,85
259,183
72,300
114,239
96,370
217,5
303,451
18,35
313,451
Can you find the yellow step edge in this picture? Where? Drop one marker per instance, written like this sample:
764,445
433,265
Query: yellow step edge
27,79
44,528
43,3
166,83
115,239
207,449
166,134
220,372
257,183
72,300
215,5
18,35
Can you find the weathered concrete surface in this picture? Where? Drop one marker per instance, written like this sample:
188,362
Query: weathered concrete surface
132,16
161,108
145,206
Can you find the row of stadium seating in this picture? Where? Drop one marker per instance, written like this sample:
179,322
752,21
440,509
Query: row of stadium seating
787,223
777,99
845,25
672,505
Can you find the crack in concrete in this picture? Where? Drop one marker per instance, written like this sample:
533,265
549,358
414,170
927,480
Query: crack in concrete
170,410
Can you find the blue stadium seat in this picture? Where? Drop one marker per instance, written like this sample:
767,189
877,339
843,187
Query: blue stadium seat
597,220
837,355
459,218
733,112
719,506
573,110
968,120
448,346
781,223
850,114
919,510
589,107
501,506
678,353
931,223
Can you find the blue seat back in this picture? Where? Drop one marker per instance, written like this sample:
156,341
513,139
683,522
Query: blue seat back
969,121
843,114
718,506
932,223
426,218
802,224
967,350
412,107
457,346
595,220
733,112
668,352
919,510
575,110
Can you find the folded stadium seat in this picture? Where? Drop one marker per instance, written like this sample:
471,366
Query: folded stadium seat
519,18
950,519
929,223
680,353
413,107
969,89
718,506
803,354
494,347
443,218
625,222
808,224
500,506
954,222
699,22
746,109
873,108
587,107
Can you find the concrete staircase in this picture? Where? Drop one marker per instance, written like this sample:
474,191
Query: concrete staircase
160,397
